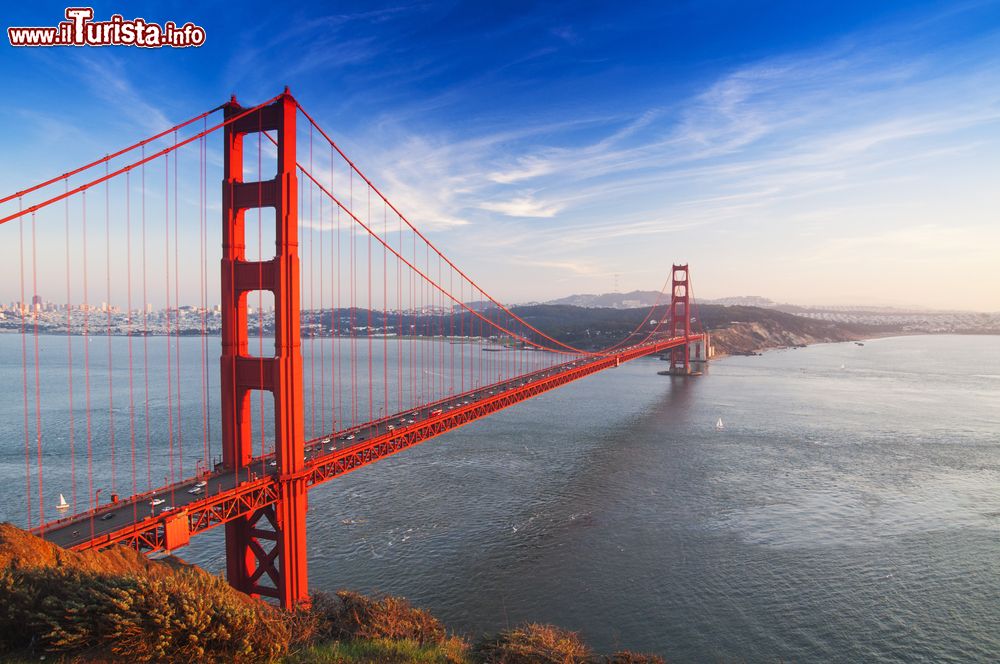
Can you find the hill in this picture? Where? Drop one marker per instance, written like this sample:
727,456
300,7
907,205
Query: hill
735,329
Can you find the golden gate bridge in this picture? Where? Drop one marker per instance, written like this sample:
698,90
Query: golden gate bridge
401,345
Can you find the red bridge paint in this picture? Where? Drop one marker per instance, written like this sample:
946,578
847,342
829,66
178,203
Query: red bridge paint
261,499
271,540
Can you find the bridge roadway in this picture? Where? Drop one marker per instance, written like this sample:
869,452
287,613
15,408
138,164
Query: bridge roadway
215,498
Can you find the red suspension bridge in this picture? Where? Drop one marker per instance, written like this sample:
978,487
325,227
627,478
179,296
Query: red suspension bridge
367,337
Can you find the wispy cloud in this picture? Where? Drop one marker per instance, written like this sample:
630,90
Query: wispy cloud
768,142
574,267
110,81
522,206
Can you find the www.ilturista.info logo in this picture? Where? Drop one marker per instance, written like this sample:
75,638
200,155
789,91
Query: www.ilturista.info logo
81,30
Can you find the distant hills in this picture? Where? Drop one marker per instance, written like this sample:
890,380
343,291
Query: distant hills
639,298
736,329
631,300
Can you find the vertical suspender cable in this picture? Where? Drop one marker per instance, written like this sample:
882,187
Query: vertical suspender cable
145,335
334,289
177,316
319,340
338,390
128,326
205,452
371,387
312,313
385,314
38,386
399,321
86,361
107,304
69,362
24,375
166,284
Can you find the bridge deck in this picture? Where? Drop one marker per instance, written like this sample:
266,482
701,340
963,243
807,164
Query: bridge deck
216,498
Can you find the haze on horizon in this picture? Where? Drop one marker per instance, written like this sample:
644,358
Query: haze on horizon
812,153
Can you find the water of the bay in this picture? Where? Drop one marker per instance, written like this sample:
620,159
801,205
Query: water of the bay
848,511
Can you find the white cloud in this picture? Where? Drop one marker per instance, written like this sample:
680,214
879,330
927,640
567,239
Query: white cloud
777,145
523,206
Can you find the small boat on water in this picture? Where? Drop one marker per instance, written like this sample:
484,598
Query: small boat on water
62,505
719,425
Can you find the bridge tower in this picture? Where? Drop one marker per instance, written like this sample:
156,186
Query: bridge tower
680,320
266,551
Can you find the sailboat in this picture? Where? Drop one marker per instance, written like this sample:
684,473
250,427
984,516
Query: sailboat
62,506
719,425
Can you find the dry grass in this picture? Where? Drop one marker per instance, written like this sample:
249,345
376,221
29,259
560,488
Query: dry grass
116,606
349,616
384,651
533,644
20,550
126,607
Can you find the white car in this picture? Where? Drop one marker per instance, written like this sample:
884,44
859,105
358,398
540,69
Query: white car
201,484
195,490
156,501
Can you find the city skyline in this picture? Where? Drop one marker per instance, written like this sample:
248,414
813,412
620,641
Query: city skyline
830,154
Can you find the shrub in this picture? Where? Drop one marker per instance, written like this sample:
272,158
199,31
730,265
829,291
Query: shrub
169,619
383,651
350,616
533,644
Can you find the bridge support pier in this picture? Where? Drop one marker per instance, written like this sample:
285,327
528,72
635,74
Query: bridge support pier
265,551
680,320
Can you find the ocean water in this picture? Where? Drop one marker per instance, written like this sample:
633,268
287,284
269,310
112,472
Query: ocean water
848,511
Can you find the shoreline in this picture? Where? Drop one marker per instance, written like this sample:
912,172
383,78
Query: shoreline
754,350
871,337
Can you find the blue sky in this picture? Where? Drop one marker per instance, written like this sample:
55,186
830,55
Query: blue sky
811,152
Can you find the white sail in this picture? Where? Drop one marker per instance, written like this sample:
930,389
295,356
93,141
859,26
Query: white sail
63,505
719,424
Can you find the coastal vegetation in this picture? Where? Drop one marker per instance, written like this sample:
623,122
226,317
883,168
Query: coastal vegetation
117,606
735,330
